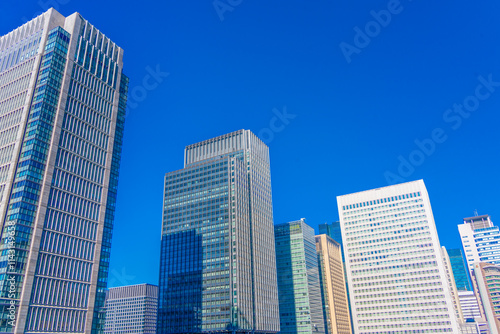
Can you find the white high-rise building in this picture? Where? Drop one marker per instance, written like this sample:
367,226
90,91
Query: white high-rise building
395,270
480,240
62,111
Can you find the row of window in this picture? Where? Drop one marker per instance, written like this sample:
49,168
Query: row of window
380,201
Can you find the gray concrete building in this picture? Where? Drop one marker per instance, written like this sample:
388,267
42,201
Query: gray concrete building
131,309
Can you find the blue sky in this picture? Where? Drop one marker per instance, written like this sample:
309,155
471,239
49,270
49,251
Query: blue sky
351,116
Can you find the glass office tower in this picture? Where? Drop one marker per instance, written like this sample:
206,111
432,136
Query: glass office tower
396,275
332,230
62,107
460,271
301,309
217,267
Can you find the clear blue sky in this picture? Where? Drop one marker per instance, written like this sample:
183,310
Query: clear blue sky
353,120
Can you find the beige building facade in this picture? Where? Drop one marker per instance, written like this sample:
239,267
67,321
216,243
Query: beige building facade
334,293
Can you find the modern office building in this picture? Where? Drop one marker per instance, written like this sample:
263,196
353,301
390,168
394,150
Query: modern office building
333,287
480,240
471,309
218,269
396,275
486,278
62,111
332,230
451,283
460,271
131,309
300,303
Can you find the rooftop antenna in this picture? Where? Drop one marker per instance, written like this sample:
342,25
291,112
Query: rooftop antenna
475,213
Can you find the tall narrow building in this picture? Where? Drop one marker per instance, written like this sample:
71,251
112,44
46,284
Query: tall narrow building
217,269
62,108
301,310
460,271
451,283
396,276
333,286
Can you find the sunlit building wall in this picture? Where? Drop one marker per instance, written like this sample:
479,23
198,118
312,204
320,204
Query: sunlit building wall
396,275
62,109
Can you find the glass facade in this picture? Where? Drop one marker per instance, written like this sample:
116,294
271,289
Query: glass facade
211,267
58,179
332,230
301,308
460,271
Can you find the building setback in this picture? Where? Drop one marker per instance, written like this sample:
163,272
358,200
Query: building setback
217,273
396,276
62,111
301,309
131,309
333,286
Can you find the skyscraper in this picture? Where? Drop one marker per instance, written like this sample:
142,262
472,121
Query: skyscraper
333,286
486,279
332,230
460,271
396,276
131,309
480,240
217,269
62,107
451,283
299,289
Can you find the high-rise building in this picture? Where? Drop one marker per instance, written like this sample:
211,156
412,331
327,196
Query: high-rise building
460,271
480,240
333,287
62,111
470,306
486,278
131,309
218,269
451,283
332,230
396,276
300,303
